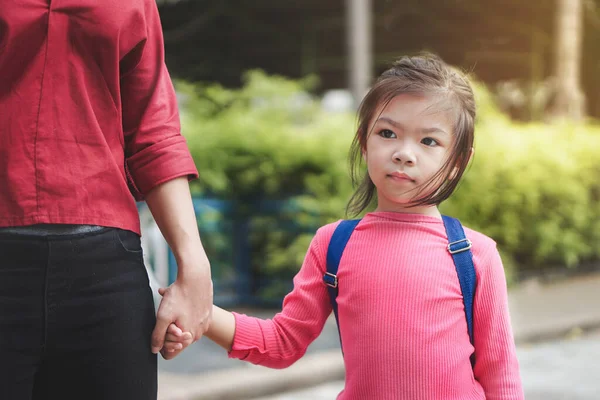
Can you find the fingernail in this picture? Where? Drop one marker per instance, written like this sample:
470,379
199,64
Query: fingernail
155,350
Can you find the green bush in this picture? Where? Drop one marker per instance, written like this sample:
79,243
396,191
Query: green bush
532,187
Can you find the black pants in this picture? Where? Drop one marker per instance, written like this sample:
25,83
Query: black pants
76,317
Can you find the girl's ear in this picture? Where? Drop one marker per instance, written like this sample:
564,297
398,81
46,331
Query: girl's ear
455,169
471,152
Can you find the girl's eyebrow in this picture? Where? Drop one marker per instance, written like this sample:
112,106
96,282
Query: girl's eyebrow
391,122
433,130
398,125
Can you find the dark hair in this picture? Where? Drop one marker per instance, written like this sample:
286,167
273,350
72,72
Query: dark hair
425,74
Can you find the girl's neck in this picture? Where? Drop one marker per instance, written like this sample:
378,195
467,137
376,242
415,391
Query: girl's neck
431,211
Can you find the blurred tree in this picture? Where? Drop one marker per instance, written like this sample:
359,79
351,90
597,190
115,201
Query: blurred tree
569,100
498,40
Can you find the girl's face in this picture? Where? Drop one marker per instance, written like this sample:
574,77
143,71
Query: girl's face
407,145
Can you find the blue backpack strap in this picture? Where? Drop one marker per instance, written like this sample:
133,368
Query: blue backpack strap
459,247
337,244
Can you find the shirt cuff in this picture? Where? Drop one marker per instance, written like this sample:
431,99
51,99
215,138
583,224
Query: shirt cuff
159,163
247,335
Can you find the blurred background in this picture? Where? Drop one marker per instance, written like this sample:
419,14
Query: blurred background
268,92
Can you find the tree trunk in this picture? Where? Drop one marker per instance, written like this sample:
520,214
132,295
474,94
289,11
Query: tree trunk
570,100
360,52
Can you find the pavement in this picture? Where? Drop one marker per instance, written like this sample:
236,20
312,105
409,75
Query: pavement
539,312
565,368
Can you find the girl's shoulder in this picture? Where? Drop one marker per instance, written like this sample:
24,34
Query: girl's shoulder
486,256
479,239
324,233
320,242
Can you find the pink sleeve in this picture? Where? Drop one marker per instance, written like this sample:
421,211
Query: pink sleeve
280,342
155,150
496,365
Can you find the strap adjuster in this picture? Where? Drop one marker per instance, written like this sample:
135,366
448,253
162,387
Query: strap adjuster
331,280
453,248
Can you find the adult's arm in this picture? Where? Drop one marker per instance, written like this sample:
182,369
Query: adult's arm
188,301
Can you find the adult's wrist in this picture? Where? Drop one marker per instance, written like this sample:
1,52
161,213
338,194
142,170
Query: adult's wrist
194,269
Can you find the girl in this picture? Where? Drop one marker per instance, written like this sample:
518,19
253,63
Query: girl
400,305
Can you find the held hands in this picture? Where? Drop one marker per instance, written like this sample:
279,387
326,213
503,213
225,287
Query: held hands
176,340
187,303
221,331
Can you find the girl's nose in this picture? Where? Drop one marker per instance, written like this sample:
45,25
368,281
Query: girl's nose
404,155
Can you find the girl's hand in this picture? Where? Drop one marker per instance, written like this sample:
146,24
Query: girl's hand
176,339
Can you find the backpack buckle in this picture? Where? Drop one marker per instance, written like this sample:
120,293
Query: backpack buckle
331,280
458,247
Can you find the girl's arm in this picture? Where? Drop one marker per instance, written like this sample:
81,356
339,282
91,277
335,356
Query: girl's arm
496,364
277,342
222,328
221,331
281,341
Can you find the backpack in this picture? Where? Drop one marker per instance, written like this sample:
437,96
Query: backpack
458,246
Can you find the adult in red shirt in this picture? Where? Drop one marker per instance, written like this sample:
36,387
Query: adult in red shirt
88,124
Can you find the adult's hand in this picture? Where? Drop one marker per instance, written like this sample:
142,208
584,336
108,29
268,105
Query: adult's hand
186,303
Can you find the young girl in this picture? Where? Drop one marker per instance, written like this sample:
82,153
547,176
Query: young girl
400,305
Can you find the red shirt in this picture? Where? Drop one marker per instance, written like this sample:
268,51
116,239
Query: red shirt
88,113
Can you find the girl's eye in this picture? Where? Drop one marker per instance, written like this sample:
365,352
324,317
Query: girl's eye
429,142
386,133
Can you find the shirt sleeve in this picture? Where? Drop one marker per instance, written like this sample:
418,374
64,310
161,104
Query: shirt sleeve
155,150
280,342
496,364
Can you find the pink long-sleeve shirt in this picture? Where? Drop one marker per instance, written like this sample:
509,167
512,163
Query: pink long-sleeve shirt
401,315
